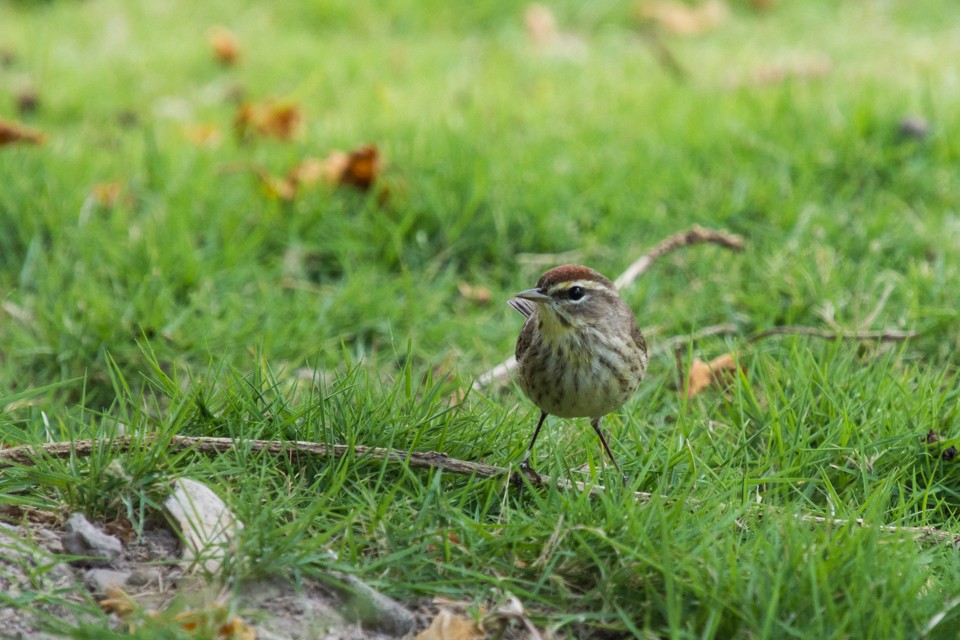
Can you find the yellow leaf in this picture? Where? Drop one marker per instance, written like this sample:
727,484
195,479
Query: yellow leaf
117,601
684,19
475,293
449,626
203,135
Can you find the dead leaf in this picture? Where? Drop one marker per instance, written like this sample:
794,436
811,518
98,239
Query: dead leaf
215,619
541,25
118,602
278,188
225,45
106,194
475,293
270,119
308,172
449,626
684,19
720,371
813,67
203,135
358,169
14,133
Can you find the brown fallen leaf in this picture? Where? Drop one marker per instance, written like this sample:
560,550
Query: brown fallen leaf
449,626
225,45
118,602
14,133
540,24
720,371
475,293
358,169
270,119
684,19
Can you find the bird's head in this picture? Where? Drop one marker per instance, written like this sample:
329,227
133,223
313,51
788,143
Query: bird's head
570,297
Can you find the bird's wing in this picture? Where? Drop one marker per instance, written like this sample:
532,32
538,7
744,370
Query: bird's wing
522,306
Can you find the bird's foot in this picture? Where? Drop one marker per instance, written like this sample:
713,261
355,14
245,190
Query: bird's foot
525,471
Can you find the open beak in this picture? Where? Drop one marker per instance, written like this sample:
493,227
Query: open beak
534,295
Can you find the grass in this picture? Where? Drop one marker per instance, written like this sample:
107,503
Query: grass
194,304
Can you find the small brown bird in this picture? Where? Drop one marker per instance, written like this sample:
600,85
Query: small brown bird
580,352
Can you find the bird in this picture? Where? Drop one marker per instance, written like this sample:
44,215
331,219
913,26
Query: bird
580,352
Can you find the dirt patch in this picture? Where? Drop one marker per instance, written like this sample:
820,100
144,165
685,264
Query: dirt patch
45,591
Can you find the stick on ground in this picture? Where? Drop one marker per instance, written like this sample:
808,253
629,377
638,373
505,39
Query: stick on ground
27,454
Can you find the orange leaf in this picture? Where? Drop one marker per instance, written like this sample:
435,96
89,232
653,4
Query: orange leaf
225,45
14,132
270,119
720,371
684,19
358,169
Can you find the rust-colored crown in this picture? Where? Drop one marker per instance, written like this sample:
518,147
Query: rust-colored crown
570,273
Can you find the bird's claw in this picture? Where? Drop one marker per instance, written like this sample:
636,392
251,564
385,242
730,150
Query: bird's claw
527,472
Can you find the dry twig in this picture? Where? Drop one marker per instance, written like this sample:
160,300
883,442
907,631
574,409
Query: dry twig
27,454
813,332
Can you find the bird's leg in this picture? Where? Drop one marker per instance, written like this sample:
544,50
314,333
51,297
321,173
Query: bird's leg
525,467
595,423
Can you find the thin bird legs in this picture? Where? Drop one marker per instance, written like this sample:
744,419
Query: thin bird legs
529,471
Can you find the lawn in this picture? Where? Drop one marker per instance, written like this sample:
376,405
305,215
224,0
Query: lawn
184,254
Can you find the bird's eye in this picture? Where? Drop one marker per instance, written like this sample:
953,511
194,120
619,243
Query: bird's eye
576,293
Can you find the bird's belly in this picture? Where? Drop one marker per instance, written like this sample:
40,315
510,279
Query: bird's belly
583,387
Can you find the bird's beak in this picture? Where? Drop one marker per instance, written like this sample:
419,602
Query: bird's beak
534,295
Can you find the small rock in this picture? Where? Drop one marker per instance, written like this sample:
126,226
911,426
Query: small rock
99,581
207,527
83,539
144,577
914,127
375,610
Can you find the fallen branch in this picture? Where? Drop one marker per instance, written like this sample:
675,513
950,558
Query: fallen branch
730,329
694,235
882,336
27,454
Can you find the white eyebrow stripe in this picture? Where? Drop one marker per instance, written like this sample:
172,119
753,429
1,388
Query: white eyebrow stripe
584,284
